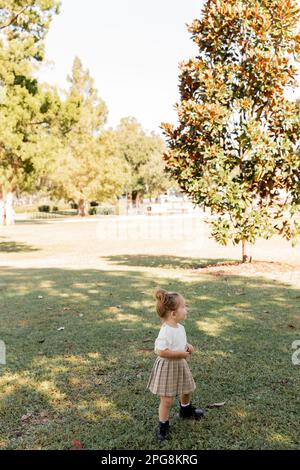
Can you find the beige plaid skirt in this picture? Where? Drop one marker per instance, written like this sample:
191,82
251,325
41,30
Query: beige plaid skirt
171,377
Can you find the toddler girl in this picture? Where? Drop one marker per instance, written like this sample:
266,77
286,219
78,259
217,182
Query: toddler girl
171,374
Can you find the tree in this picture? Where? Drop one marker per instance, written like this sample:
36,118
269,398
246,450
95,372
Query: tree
23,106
143,155
87,166
154,177
236,146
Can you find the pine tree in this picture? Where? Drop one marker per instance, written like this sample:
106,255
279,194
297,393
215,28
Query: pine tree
87,167
24,108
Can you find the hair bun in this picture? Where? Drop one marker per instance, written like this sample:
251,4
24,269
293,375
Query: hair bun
161,295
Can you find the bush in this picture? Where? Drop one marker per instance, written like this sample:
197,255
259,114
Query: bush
94,204
93,211
73,205
44,208
105,210
54,209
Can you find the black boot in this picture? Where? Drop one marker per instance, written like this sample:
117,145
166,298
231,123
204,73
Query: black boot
162,430
190,412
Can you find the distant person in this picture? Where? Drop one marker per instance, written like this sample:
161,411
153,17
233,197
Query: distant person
171,374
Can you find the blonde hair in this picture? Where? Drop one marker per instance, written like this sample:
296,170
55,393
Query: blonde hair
166,302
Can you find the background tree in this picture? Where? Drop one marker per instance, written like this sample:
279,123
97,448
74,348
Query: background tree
87,164
154,176
236,146
141,152
23,106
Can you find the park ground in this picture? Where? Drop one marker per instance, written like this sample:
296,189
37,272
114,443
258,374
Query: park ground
78,320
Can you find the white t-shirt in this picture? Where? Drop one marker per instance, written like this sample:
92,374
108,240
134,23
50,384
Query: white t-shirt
173,338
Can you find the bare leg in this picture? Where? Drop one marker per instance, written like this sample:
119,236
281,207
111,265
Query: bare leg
164,408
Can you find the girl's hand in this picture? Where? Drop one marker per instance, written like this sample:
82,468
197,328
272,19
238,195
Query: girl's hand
189,348
185,354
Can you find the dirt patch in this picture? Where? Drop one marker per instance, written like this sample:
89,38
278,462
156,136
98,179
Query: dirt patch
255,267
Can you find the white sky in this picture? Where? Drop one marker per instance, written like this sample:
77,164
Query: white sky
132,49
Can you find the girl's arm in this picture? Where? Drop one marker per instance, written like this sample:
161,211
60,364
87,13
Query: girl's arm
168,354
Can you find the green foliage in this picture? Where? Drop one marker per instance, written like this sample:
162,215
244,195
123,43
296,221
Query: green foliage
44,208
143,154
236,148
26,139
86,166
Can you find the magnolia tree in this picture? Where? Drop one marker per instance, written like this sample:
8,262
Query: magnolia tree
236,147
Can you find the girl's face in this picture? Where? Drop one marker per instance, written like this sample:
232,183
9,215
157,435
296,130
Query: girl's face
181,312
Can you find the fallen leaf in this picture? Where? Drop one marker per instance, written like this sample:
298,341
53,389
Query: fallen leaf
146,349
66,308
216,405
146,340
60,328
81,314
128,329
41,340
77,445
40,297
291,326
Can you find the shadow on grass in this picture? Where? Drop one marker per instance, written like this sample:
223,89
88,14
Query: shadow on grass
173,262
13,247
88,379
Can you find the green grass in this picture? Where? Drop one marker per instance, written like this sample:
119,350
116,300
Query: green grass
88,381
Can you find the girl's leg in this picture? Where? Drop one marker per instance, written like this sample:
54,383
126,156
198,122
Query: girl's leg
185,398
187,410
164,408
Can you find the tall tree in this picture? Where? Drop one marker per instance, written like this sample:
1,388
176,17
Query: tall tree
87,165
23,106
236,146
141,151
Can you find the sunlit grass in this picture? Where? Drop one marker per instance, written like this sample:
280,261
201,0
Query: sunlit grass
88,380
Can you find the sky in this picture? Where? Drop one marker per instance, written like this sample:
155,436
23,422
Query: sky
132,49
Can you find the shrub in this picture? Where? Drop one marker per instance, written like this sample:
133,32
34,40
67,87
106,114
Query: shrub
92,211
44,208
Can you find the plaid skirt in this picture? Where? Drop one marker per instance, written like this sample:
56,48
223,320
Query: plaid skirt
171,377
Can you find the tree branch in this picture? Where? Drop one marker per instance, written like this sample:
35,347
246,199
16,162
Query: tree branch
14,18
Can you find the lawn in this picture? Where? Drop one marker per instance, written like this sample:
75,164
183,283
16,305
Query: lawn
78,321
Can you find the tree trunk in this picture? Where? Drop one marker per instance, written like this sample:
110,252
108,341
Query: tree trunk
247,258
82,208
7,213
135,198
9,209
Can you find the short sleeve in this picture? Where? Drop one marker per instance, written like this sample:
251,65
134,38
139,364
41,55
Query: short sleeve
162,341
